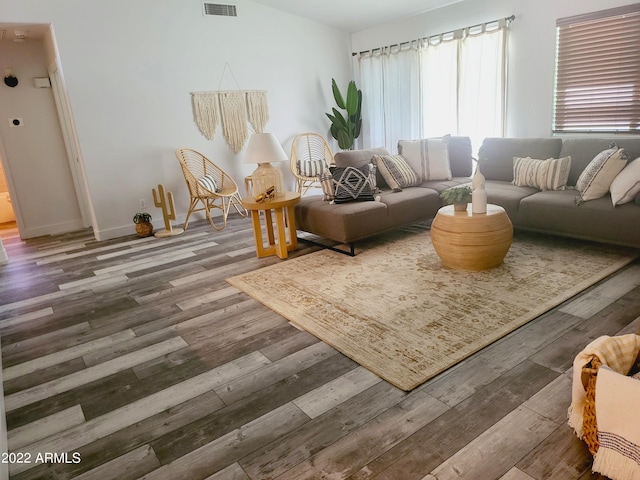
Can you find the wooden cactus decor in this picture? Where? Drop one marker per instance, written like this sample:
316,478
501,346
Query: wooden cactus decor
165,201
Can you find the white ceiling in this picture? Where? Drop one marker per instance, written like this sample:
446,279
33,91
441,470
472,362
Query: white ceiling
355,15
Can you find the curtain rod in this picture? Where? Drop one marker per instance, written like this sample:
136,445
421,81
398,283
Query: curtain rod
353,54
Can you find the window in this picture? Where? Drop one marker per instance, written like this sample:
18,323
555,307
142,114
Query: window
597,84
452,83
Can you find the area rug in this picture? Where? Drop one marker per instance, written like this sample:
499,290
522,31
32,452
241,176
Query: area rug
397,311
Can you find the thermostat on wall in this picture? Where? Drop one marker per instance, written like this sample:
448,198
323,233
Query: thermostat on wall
42,82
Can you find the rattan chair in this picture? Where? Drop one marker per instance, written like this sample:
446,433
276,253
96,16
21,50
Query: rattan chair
311,148
208,186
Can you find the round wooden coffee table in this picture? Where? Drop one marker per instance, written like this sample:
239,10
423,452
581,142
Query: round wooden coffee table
468,241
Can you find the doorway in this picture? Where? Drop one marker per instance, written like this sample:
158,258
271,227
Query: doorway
39,153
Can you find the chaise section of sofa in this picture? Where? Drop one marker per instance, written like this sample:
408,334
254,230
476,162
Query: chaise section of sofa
353,221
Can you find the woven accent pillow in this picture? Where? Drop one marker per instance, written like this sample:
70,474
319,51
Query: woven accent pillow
550,174
326,181
311,168
396,171
428,157
595,180
626,186
208,182
354,183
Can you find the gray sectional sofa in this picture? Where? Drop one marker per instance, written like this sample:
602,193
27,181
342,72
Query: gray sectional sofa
554,212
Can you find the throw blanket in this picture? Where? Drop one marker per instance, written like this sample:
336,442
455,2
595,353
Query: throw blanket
618,417
617,353
617,398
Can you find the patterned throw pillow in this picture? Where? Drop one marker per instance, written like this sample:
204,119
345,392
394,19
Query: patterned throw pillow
311,168
550,174
428,157
209,183
595,181
354,183
326,181
396,171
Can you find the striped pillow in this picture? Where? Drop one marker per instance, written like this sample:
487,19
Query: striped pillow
396,171
311,168
326,181
550,174
209,183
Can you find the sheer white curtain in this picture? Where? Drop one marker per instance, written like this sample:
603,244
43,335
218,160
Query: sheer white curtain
446,84
390,84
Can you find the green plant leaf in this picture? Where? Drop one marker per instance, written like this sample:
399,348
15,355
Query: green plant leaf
345,141
337,95
352,98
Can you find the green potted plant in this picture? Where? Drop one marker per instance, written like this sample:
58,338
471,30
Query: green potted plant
345,128
144,228
459,196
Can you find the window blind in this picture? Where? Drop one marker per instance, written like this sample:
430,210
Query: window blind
597,84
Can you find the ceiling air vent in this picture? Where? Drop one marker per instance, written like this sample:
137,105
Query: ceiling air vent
220,9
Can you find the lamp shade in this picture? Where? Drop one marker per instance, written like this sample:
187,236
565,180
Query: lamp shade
264,148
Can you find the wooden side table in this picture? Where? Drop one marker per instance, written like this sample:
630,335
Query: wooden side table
282,204
468,241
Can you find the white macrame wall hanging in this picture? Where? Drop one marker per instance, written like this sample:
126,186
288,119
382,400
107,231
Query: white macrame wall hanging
234,109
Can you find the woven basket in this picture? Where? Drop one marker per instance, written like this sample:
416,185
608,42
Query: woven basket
589,423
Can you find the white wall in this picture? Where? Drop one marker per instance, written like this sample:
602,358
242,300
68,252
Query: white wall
34,154
531,48
130,68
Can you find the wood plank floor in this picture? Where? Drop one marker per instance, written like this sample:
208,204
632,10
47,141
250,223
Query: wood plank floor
133,358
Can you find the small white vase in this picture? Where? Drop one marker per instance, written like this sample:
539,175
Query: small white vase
479,194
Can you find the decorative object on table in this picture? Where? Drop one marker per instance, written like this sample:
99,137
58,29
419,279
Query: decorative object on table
209,186
425,317
479,194
234,109
10,80
310,157
269,194
144,228
165,202
346,128
604,399
458,196
265,149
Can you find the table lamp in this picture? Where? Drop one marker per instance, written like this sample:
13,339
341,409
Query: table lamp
265,149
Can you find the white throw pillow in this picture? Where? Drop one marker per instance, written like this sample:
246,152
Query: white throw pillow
626,186
595,180
428,157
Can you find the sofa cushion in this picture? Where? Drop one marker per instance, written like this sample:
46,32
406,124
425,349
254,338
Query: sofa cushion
344,222
556,212
358,158
550,174
428,157
354,183
508,196
626,186
411,205
460,156
582,150
595,180
396,171
495,156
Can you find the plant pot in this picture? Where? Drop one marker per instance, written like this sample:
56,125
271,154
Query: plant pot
460,207
144,229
